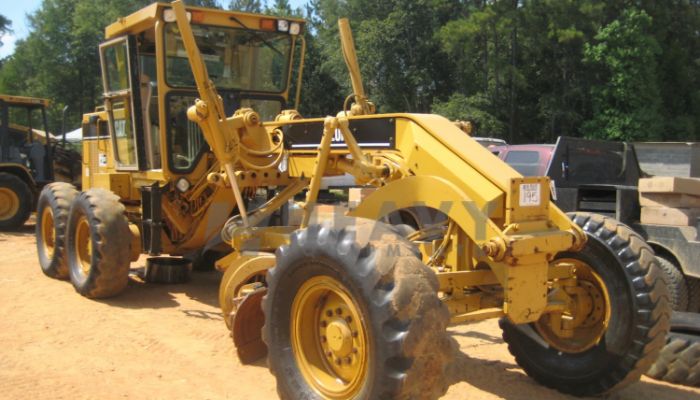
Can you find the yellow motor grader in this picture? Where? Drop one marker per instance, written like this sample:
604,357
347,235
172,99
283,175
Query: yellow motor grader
344,306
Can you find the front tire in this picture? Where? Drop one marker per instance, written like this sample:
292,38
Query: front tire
51,218
353,313
16,201
638,318
98,243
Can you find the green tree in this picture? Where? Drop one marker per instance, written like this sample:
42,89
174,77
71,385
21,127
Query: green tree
253,6
674,26
204,3
402,66
555,97
59,58
482,45
626,98
460,107
321,94
4,27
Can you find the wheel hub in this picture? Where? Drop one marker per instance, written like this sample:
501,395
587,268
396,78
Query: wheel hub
48,233
584,319
83,244
9,204
334,357
339,338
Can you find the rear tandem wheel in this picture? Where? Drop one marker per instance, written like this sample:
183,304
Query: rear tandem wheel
98,242
51,218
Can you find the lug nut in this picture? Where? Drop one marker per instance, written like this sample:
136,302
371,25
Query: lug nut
338,361
324,324
329,354
338,311
323,339
348,319
348,360
354,334
329,313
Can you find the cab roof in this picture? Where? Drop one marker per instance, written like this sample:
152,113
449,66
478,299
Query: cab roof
24,101
146,18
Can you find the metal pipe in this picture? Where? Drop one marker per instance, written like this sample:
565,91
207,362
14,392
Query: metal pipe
329,126
63,123
237,193
350,56
301,71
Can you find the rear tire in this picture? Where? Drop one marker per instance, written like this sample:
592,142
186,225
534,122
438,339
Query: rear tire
98,244
400,346
639,317
677,285
16,201
51,218
693,294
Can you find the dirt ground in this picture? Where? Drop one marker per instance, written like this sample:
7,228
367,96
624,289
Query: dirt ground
169,342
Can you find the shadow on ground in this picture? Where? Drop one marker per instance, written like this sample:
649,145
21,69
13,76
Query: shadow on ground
507,380
203,287
25,230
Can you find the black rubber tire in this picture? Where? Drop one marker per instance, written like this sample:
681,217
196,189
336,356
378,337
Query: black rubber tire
638,324
397,294
693,294
403,230
204,261
679,361
57,196
111,244
26,201
677,285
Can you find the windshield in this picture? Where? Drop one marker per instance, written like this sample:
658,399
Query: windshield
235,58
526,162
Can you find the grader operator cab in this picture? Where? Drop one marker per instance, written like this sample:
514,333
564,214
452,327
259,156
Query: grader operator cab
29,158
149,176
347,307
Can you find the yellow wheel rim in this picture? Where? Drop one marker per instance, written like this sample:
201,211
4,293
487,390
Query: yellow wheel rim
588,313
9,204
83,244
48,232
329,339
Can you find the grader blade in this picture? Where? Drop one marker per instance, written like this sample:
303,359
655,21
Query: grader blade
246,325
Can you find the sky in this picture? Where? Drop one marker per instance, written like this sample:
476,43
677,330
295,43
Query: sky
16,11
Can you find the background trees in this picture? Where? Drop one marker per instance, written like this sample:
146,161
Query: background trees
4,26
523,70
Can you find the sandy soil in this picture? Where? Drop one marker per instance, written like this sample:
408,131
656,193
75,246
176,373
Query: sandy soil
169,341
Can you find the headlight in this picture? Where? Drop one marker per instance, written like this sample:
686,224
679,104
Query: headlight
294,28
169,15
182,185
283,25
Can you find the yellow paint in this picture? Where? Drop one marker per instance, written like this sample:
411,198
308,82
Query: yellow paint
48,232
9,203
329,338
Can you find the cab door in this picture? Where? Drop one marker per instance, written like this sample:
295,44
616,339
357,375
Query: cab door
120,76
